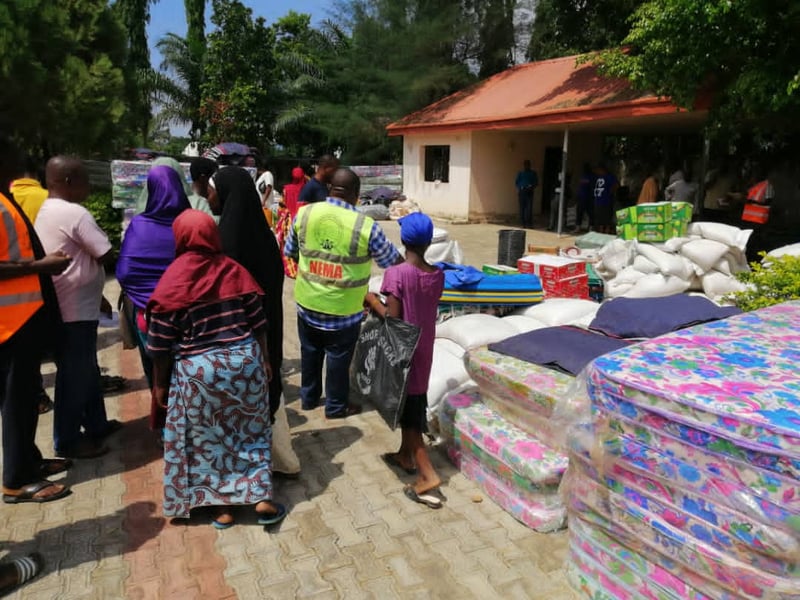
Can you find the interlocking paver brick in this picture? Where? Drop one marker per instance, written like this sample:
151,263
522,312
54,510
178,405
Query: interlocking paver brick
351,532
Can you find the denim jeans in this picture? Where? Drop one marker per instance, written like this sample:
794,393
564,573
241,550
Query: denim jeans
79,396
335,348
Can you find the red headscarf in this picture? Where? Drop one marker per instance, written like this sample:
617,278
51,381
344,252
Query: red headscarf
200,274
291,191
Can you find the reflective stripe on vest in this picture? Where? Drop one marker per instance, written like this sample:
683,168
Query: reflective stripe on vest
755,213
20,297
334,263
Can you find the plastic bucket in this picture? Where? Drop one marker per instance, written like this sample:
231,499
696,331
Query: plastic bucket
510,246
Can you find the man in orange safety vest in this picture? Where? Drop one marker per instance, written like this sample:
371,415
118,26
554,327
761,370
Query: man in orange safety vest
29,317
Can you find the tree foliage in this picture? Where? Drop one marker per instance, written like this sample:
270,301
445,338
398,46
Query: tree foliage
567,27
62,75
135,15
239,74
747,53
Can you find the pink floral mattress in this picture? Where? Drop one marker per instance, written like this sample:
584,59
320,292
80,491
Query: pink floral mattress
541,512
477,430
521,387
659,539
735,379
603,566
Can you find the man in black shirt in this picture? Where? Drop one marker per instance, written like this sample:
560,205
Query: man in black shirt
316,190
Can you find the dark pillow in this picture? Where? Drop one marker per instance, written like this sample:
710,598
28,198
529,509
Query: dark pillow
651,317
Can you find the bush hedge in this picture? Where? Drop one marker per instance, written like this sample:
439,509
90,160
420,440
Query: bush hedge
108,218
775,280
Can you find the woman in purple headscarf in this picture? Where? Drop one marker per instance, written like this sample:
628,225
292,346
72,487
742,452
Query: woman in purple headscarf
148,248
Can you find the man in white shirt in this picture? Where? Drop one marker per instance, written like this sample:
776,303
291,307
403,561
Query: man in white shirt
65,226
265,185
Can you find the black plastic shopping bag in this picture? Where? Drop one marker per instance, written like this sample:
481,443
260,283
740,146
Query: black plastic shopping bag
381,362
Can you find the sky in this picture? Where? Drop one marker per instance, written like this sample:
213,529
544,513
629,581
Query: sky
167,16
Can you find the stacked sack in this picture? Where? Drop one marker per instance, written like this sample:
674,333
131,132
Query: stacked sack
684,478
498,427
707,261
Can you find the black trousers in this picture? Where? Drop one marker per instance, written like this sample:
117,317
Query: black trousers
20,384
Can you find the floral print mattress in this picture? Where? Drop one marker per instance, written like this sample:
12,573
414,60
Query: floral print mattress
512,453
692,460
735,378
543,512
526,388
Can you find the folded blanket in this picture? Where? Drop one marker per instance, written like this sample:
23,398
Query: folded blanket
567,349
652,317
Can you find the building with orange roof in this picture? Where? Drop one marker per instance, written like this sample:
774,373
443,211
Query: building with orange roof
460,154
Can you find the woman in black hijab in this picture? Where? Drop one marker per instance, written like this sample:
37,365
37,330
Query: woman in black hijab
247,239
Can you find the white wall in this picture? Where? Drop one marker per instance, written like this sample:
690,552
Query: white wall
483,166
497,157
448,200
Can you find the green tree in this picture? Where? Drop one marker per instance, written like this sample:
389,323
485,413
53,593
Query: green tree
178,84
388,58
746,53
494,24
61,72
239,75
135,15
566,27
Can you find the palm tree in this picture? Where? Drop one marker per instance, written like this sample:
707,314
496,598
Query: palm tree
179,81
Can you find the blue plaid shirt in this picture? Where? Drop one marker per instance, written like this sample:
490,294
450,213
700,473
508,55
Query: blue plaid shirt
382,251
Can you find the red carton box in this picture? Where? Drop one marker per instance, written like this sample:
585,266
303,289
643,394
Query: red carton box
571,287
553,268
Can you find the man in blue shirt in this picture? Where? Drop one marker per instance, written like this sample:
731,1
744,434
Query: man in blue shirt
316,189
526,183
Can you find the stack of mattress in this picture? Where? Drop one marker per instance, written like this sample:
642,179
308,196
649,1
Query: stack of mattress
500,435
478,292
686,482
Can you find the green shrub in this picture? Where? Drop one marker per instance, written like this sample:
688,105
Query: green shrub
772,282
108,218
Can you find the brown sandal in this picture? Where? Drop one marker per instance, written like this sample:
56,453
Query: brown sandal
28,493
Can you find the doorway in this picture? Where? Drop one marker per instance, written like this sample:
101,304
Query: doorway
551,170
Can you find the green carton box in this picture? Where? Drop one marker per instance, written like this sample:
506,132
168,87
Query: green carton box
626,216
678,228
657,212
682,211
645,232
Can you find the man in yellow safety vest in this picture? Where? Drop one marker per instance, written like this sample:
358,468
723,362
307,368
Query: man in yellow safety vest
334,245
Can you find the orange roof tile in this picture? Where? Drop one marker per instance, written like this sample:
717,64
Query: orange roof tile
549,92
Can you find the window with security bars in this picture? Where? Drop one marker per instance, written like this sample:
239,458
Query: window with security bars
437,163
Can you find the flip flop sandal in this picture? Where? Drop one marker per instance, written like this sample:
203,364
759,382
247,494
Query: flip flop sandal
26,567
53,466
220,524
425,498
391,460
272,518
27,493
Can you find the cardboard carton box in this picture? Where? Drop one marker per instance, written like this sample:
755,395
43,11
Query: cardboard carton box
570,287
645,232
656,212
551,268
555,250
682,212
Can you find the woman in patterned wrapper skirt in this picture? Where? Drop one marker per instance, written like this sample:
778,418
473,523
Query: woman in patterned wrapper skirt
206,334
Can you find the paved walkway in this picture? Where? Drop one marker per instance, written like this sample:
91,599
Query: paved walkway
350,533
